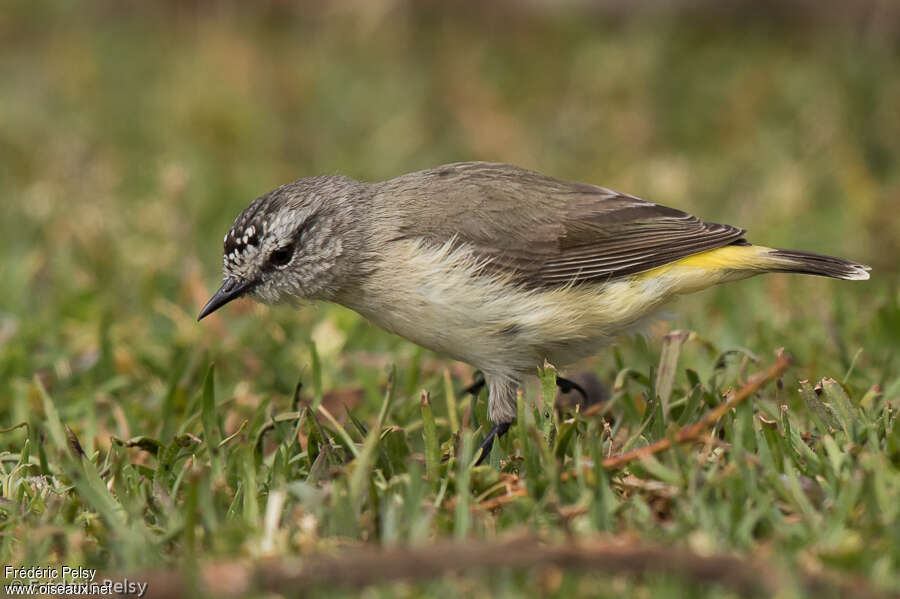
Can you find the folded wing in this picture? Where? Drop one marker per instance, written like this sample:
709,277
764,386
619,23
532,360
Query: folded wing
546,232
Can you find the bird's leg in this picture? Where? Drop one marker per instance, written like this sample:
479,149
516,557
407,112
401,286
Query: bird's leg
566,386
477,384
497,431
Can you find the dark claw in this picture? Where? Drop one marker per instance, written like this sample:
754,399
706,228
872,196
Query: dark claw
497,431
477,384
566,386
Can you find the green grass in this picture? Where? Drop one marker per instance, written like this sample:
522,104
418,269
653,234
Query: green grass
130,140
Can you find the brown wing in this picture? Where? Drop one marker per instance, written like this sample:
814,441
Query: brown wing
546,231
648,237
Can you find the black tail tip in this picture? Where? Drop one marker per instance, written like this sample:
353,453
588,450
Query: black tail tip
824,266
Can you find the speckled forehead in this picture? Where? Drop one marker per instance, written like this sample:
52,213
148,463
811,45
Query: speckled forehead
256,232
239,237
247,227
245,234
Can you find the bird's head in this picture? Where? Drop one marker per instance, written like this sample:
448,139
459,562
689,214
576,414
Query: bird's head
291,243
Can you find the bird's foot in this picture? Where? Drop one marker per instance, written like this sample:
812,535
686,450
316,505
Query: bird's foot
477,385
566,386
497,431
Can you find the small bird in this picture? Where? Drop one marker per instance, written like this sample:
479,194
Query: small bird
490,264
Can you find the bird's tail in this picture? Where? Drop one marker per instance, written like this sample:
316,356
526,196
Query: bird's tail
741,260
816,264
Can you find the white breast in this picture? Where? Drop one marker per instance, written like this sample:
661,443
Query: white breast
444,300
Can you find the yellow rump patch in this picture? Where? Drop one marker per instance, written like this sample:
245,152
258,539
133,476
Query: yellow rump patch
726,258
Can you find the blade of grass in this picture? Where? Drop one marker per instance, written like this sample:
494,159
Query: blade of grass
532,466
462,517
318,394
548,374
212,432
359,478
84,475
693,431
450,398
429,434
251,501
340,430
668,366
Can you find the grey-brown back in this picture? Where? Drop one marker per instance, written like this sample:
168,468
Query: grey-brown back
545,231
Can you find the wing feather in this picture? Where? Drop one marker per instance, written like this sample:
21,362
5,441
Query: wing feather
545,232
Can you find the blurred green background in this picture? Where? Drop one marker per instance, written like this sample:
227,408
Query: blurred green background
132,134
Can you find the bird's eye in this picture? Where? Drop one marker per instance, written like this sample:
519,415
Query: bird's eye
281,256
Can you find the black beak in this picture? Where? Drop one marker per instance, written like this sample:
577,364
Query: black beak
231,289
